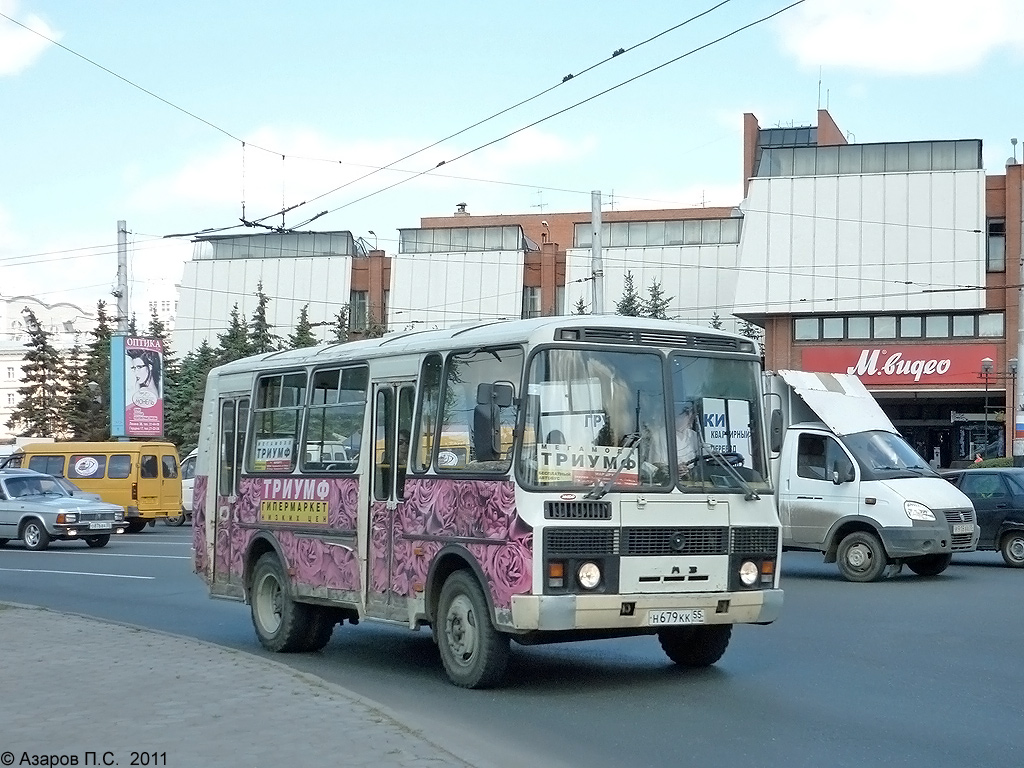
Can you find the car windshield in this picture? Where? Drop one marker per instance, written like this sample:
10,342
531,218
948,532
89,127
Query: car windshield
42,485
886,456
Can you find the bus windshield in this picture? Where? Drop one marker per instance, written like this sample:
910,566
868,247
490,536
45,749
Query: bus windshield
599,417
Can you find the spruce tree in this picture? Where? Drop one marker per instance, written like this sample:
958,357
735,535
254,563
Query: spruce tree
234,342
656,304
339,325
93,402
184,406
580,308
716,321
79,400
630,305
43,394
303,335
261,337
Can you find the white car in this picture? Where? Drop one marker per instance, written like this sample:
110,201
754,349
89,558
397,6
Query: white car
188,478
37,509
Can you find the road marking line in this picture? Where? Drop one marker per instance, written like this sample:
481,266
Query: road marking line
76,573
125,554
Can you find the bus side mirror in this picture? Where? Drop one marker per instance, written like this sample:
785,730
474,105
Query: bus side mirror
487,419
775,431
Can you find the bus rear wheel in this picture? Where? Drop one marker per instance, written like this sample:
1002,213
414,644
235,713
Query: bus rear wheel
695,646
282,625
474,653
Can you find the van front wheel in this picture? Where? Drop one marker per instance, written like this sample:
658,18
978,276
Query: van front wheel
929,565
861,557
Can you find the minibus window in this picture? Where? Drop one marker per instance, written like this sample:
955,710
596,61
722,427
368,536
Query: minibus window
119,467
170,466
148,467
50,465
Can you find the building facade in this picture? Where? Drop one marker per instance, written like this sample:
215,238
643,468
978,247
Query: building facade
66,323
885,259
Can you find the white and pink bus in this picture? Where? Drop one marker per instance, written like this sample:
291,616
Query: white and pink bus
544,480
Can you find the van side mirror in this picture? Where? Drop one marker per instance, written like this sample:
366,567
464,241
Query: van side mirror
775,431
842,472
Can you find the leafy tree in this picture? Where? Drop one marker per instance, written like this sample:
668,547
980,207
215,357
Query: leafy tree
716,322
184,406
656,303
43,394
234,342
630,305
261,338
580,308
303,335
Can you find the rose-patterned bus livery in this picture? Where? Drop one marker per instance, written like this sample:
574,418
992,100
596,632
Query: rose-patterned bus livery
544,480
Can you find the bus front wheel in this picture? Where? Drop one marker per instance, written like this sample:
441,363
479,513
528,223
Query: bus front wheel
474,653
282,625
695,646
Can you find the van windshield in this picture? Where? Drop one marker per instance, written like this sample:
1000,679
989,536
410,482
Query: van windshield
886,456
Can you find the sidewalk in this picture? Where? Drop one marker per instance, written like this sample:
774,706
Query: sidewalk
73,685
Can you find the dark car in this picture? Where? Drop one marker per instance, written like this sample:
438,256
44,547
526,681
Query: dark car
998,497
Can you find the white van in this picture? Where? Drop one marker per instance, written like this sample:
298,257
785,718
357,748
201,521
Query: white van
188,478
849,486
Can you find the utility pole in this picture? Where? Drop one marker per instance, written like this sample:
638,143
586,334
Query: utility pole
596,264
1018,380
122,277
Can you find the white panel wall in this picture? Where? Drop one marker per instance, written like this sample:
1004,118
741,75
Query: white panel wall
439,290
863,243
209,290
698,280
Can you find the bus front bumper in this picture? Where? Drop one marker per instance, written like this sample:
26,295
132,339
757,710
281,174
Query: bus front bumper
568,612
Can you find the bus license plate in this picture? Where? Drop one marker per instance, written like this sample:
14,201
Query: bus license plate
963,527
104,524
668,618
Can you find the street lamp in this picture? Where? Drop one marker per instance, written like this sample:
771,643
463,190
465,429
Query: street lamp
986,371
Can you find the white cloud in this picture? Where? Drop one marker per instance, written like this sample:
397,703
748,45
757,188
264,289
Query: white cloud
908,36
19,48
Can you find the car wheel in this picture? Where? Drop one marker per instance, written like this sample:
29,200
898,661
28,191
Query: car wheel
861,557
3,542
695,646
1012,549
136,524
474,653
97,541
282,625
175,520
929,565
35,536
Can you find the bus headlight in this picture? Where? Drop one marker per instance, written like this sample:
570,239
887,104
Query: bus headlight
917,511
749,573
589,575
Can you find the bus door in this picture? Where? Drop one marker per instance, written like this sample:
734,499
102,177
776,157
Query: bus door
231,428
392,422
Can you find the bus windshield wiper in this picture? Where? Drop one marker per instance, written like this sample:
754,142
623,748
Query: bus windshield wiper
751,494
602,485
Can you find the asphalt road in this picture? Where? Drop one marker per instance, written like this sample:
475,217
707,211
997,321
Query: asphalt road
908,671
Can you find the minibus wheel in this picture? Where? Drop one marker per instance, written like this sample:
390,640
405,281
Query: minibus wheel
474,653
97,541
136,524
175,520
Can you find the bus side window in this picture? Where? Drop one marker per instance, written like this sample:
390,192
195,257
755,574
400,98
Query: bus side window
148,467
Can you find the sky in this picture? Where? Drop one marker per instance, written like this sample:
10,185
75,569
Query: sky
184,116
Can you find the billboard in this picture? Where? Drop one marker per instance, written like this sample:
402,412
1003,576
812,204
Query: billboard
136,387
